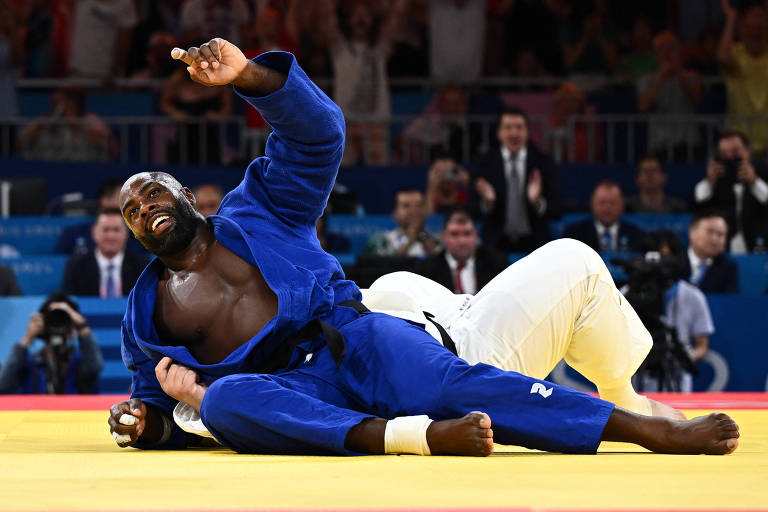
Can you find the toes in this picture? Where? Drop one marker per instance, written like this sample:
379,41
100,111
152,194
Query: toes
485,447
731,444
480,419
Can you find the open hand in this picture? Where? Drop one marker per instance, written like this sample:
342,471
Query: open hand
217,62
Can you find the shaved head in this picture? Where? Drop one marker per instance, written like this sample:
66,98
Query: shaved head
163,178
159,211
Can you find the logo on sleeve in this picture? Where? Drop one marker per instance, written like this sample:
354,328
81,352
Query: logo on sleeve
541,389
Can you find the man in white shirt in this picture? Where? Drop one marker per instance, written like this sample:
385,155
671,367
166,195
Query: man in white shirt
736,186
106,271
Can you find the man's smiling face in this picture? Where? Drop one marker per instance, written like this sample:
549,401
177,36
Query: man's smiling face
159,212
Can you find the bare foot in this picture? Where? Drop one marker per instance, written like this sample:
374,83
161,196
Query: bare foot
714,434
470,435
665,411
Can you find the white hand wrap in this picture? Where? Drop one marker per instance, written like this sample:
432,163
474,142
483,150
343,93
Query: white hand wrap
127,419
407,434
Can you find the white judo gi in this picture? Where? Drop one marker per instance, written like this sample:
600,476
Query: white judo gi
558,302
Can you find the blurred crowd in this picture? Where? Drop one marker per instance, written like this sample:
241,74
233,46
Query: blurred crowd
573,59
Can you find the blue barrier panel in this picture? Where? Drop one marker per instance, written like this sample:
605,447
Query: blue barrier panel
739,341
753,273
678,223
34,234
37,275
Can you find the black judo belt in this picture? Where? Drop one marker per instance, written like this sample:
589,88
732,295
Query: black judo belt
281,356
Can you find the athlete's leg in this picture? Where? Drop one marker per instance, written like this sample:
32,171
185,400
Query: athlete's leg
290,413
398,369
558,302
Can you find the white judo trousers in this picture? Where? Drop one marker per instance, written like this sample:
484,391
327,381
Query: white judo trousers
558,302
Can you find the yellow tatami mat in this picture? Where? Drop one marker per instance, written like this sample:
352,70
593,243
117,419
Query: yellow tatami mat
66,460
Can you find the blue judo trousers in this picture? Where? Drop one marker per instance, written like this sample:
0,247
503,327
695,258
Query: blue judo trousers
391,367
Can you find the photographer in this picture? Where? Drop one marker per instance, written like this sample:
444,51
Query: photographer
447,183
737,186
674,311
59,367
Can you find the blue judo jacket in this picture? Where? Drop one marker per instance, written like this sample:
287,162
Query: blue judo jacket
269,221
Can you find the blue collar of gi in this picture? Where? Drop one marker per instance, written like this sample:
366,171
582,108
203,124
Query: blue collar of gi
141,307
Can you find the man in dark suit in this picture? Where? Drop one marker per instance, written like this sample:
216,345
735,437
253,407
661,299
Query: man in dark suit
463,266
707,266
605,231
107,270
738,188
516,189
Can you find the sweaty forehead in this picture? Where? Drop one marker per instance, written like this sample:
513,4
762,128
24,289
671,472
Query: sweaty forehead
137,181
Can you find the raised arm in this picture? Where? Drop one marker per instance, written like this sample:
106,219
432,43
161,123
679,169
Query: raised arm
725,47
303,152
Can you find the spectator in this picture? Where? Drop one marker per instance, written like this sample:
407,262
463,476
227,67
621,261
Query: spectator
673,92
456,39
521,36
447,184
641,60
11,58
463,266
158,65
202,20
77,239
410,238
410,52
8,285
272,31
606,231
442,126
590,48
329,241
707,265
196,108
360,47
745,64
686,312
572,140
68,133
650,179
738,187
108,270
60,366
517,188
208,198
101,36
38,16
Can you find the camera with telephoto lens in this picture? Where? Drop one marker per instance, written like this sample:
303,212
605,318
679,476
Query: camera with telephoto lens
730,168
652,281
57,327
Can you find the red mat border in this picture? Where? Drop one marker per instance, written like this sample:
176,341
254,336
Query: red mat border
714,401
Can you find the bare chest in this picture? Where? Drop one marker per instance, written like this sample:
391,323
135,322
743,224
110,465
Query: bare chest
214,309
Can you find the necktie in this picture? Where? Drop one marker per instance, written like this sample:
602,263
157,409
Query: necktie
606,243
516,219
700,274
111,289
457,280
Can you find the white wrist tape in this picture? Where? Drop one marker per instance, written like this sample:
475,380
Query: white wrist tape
407,434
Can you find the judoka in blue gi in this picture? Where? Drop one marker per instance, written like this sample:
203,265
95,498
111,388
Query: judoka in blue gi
248,321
